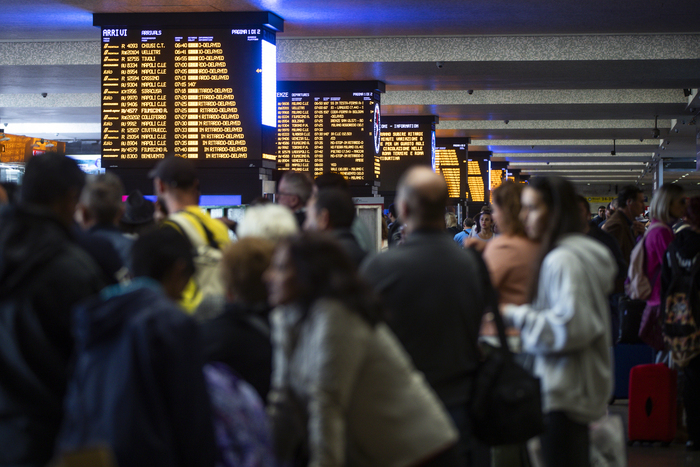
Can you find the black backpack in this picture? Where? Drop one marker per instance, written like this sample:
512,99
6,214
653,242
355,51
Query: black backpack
682,308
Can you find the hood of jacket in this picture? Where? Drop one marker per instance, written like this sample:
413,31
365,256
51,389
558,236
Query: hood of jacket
104,316
29,238
595,259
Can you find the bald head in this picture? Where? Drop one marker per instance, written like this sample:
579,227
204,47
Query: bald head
421,198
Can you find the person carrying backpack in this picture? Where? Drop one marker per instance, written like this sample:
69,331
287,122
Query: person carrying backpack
680,284
667,206
176,184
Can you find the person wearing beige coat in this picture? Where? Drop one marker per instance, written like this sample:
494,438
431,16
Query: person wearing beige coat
366,403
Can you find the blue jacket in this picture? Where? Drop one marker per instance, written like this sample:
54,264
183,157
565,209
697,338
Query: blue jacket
138,385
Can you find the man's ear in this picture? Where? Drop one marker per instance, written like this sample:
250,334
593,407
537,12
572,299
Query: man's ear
82,215
402,209
323,219
159,186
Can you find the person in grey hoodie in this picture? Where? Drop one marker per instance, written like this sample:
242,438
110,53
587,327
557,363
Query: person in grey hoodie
566,325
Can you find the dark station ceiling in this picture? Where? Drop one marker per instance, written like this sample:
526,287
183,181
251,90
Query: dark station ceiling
567,76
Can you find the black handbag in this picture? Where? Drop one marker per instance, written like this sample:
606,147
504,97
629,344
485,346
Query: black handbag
630,313
506,402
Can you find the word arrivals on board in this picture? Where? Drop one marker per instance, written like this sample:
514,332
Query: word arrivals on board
173,90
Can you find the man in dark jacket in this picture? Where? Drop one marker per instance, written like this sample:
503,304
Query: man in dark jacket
434,297
332,210
623,226
43,273
138,386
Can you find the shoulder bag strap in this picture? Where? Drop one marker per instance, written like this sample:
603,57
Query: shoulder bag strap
491,300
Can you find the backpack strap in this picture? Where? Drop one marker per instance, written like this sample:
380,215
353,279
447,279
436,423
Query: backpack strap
187,230
207,232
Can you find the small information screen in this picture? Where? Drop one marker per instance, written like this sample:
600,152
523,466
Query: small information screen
193,93
322,129
406,141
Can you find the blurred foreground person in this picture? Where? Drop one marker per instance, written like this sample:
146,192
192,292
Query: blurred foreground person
566,326
331,210
100,210
365,403
43,273
272,222
435,300
509,257
240,336
138,387
176,184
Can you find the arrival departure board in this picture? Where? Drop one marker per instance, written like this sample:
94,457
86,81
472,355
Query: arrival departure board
172,87
330,127
478,177
406,141
451,161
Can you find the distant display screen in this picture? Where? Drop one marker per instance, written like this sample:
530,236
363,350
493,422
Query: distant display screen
194,93
451,162
320,129
406,141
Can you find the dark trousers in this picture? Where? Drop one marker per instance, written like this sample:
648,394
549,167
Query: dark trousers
471,453
691,398
565,443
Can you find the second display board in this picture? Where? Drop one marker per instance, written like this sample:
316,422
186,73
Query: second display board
330,127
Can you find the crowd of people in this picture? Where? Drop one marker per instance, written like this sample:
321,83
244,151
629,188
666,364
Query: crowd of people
152,334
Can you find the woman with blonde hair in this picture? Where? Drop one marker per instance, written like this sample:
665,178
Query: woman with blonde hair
451,225
667,206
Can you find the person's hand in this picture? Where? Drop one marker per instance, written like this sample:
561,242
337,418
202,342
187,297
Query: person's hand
474,243
638,228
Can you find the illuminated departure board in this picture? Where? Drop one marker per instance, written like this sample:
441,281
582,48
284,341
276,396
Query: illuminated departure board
330,127
478,177
451,162
198,86
406,141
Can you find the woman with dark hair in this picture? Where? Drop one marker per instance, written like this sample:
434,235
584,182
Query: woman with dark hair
240,336
686,249
510,256
365,403
566,324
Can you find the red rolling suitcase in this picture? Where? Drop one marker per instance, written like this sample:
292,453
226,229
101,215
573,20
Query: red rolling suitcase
652,403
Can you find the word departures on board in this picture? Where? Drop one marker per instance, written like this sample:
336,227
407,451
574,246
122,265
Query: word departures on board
406,141
196,85
330,127
451,161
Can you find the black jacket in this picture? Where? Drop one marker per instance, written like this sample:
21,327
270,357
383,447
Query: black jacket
350,245
240,337
138,385
435,299
42,275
